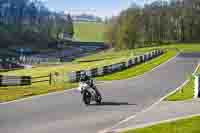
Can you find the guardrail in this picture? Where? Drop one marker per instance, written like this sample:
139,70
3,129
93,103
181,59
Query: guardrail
38,60
41,79
14,80
6,81
75,75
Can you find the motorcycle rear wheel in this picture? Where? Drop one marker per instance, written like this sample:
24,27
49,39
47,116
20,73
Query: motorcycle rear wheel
86,98
98,100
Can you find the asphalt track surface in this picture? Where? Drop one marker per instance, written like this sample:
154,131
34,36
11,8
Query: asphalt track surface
65,112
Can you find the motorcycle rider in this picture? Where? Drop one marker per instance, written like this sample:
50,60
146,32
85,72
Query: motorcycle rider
85,78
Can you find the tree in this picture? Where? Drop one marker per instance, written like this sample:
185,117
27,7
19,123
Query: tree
69,28
27,20
155,23
125,32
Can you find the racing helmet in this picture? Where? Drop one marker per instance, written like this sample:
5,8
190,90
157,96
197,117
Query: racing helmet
83,74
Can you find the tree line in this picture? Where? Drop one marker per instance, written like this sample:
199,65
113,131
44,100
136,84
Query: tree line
30,20
156,23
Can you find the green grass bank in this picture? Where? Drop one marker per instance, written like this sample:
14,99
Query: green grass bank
190,125
89,31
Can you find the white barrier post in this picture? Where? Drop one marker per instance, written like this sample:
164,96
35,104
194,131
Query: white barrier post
197,86
89,73
144,59
127,63
100,71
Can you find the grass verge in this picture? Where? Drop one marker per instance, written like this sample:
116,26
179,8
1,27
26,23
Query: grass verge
185,93
18,92
113,55
190,125
140,69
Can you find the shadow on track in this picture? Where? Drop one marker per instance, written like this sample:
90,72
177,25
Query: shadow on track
112,104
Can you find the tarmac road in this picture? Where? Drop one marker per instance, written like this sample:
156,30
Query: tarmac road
65,112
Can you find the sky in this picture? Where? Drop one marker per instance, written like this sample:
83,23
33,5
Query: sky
100,8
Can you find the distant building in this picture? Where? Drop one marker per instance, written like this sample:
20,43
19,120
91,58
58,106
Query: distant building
86,18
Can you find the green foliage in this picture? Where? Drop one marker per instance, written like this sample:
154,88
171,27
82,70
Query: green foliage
128,32
155,23
26,22
124,33
69,27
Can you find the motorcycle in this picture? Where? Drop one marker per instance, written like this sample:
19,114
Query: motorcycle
89,94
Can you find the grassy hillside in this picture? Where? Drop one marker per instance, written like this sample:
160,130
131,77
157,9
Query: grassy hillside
89,31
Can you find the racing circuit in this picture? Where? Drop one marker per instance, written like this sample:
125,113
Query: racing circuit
64,112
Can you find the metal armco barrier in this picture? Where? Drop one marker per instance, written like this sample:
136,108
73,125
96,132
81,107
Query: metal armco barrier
15,80
37,60
75,76
94,72
39,79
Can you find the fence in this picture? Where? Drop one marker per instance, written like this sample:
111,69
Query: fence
51,78
75,76
26,80
14,80
31,60
41,79
38,60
